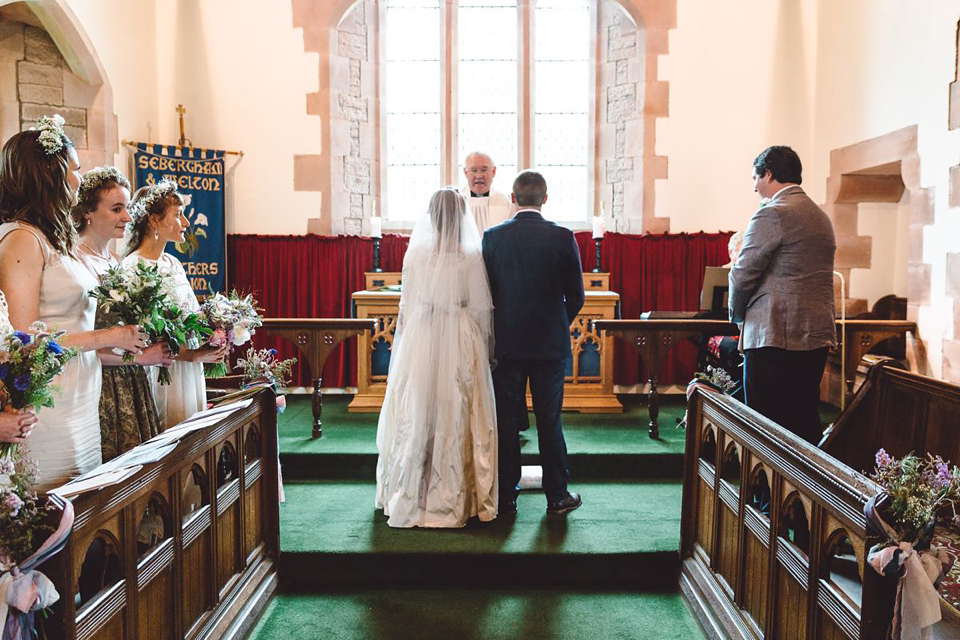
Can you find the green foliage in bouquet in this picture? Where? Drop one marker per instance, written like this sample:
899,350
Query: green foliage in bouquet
23,517
140,294
716,377
920,490
28,364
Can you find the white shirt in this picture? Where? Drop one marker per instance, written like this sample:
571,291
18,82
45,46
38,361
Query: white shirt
488,210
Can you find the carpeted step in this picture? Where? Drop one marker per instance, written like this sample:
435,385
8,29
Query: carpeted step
600,446
625,536
478,615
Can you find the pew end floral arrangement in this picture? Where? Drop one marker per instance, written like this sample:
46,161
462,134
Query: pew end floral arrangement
262,365
141,294
917,494
232,320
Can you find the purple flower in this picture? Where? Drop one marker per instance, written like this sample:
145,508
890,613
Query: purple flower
12,503
943,474
21,382
54,348
23,337
273,352
883,459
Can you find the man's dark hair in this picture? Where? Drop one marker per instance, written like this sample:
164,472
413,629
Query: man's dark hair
782,162
529,188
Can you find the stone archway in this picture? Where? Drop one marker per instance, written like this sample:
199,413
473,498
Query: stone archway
881,170
48,64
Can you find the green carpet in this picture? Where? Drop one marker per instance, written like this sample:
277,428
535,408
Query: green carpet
478,615
600,446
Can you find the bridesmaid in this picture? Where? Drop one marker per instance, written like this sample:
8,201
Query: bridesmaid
128,414
158,219
44,280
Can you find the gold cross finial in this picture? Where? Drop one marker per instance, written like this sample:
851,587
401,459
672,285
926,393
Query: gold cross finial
183,138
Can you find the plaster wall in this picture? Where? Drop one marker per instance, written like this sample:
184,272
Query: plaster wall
883,65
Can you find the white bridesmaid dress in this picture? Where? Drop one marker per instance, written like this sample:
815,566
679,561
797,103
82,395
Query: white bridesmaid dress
66,440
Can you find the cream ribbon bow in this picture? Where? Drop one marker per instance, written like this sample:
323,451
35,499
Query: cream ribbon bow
24,591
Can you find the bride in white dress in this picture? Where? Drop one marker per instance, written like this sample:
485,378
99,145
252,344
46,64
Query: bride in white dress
437,434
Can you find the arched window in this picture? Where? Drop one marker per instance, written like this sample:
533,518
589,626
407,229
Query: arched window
513,79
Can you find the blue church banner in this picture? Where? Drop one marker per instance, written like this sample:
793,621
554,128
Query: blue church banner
199,177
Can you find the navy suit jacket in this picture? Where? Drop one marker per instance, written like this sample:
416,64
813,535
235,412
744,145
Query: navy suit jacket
536,281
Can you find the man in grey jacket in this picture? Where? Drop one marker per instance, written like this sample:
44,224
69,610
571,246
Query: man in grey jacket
781,293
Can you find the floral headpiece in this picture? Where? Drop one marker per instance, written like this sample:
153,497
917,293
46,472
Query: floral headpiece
51,133
157,192
94,180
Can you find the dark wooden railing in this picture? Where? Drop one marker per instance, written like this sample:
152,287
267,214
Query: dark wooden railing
186,547
774,539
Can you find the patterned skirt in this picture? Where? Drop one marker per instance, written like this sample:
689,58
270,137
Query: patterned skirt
128,413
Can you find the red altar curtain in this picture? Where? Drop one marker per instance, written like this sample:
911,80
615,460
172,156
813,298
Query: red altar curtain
314,276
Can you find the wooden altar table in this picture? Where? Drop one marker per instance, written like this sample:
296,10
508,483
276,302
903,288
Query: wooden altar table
655,336
589,383
316,338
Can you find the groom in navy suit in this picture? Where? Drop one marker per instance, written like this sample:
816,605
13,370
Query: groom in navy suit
537,286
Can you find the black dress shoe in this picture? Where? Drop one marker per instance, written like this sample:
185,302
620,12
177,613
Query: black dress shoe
508,508
568,503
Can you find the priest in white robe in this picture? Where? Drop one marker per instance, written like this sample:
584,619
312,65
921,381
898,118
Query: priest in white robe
489,206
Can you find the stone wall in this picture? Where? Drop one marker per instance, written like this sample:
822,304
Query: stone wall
35,75
353,137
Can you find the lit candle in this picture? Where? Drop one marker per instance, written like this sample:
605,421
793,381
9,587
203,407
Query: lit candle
598,226
602,213
373,208
376,228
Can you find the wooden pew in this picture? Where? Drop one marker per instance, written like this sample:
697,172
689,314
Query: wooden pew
186,547
773,537
900,411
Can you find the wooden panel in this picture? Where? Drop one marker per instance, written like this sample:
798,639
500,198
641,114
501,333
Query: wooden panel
726,548
228,540
790,620
756,563
705,516
155,608
196,582
110,631
253,529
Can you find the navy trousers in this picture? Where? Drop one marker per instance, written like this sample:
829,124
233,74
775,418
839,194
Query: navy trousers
546,387
785,387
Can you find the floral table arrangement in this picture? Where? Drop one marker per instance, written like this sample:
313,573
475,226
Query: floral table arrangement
261,366
917,494
232,319
141,294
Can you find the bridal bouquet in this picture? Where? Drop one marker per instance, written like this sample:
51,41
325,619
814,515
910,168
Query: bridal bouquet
140,294
232,320
28,364
29,534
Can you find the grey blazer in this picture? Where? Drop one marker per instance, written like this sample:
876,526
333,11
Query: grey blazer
781,287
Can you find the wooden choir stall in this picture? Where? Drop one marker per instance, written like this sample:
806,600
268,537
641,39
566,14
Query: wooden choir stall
186,545
589,382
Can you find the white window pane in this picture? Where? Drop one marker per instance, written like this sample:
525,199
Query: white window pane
412,34
409,190
562,34
413,139
562,87
487,87
400,78
391,4
562,4
567,193
495,134
560,139
487,3
487,33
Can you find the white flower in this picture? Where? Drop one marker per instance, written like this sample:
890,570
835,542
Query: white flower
201,219
241,336
116,295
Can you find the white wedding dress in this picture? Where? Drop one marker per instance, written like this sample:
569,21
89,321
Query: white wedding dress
66,440
437,433
187,392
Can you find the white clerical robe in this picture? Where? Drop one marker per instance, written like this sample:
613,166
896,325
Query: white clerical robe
490,210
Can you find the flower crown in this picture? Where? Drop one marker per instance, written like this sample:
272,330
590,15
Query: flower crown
157,192
94,180
52,136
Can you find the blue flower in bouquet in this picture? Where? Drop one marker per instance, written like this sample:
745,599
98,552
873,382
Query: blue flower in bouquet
23,337
54,347
4,370
22,382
